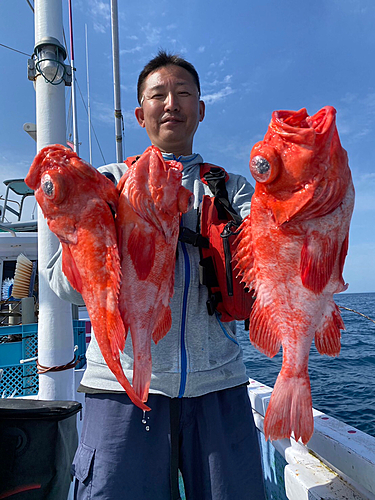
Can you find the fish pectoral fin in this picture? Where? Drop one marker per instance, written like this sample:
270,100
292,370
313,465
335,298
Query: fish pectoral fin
327,337
262,335
70,269
141,247
318,256
163,324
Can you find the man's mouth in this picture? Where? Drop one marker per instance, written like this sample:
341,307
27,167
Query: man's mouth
171,119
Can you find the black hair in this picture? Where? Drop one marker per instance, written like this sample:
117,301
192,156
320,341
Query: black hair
165,59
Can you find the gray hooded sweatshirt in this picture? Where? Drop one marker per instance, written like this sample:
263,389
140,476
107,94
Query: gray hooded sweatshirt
200,354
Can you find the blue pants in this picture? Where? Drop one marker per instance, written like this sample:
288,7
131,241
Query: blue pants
126,455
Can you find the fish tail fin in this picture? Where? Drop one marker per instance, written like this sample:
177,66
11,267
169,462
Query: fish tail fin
327,338
142,376
116,368
290,409
130,391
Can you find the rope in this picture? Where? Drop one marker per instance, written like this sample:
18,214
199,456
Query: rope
68,366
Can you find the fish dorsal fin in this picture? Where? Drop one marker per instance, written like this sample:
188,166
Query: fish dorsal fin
141,247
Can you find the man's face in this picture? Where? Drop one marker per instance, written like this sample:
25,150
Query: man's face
171,109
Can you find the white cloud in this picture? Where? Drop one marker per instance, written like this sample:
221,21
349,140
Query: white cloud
127,88
214,83
152,34
13,167
364,184
349,97
369,100
218,96
100,12
103,112
361,278
130,120
202,48
138,48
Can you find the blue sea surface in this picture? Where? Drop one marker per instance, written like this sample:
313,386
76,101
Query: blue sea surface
343,387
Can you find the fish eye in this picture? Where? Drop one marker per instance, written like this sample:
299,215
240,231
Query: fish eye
53,186
264,163
260,165
47,186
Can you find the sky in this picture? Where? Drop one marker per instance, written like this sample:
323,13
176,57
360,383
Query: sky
253,57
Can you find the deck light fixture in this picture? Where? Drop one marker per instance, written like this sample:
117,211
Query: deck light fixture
48,61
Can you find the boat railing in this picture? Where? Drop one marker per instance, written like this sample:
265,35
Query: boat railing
338,462
19,227
20,188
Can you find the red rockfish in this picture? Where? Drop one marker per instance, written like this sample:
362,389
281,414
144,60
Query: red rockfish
292,253
78,203
150,204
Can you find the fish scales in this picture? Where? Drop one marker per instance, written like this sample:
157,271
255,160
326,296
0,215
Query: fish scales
292,253
78,202
151,201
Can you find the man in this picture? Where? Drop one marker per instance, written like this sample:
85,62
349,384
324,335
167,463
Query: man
201,420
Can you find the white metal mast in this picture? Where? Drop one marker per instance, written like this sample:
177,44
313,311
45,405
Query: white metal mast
55,330
116,81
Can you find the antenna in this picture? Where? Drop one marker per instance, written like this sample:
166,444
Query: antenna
74,100
88,95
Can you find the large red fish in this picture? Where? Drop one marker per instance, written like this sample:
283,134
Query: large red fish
150,205
78,203
292,252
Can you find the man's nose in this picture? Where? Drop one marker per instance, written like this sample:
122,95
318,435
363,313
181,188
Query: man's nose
171,102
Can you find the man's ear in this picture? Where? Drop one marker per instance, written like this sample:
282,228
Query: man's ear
202,110
139,114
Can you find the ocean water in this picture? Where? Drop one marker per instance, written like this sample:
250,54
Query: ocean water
343,387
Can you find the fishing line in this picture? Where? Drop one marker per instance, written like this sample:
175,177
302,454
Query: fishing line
361,314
